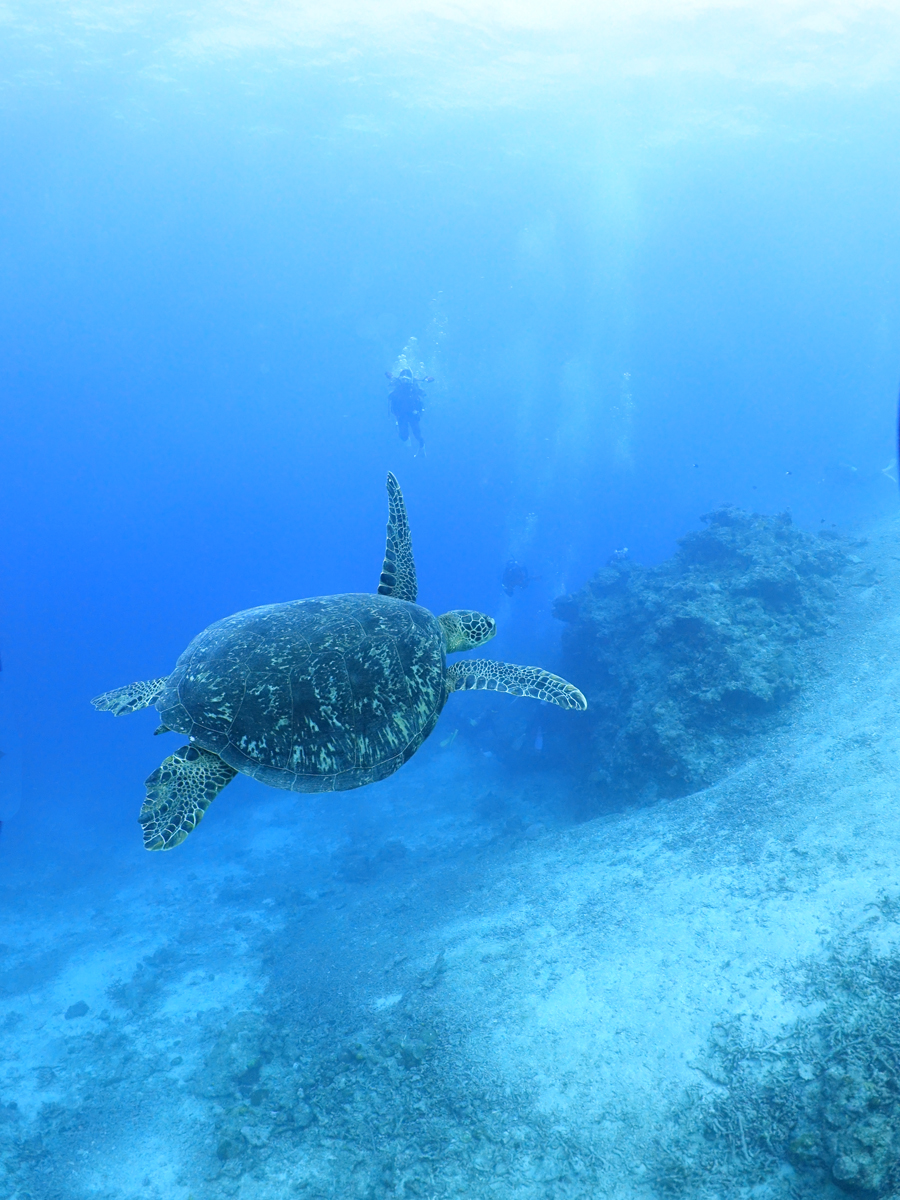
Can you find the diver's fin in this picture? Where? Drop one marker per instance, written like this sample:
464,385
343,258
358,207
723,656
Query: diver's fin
179,792
482,673
398,573
131,697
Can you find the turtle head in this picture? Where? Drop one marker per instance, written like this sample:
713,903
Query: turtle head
465,629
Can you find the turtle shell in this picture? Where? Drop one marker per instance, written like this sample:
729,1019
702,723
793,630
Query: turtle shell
315,695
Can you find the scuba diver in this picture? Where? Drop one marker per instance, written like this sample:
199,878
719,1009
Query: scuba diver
515,575
407,404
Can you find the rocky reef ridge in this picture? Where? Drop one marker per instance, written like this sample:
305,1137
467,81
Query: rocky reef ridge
683,661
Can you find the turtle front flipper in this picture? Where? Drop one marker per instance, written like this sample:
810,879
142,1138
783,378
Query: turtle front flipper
131,697
398,572
179,792
481,673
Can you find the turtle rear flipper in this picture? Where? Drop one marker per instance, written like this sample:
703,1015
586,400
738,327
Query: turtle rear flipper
131,697
482,673
398,573
179,792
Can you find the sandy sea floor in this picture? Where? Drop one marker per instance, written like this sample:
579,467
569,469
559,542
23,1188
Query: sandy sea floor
449,991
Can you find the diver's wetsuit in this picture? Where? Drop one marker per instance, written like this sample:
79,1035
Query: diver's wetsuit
407,405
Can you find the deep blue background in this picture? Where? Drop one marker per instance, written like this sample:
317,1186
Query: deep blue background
203,287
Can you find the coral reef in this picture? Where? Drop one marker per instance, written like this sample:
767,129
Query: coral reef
681,662
816,1108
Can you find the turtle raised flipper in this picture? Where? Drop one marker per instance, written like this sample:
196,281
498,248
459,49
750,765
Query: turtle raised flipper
179,792
398,572
482,673
131,697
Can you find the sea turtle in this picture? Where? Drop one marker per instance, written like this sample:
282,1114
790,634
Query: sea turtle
315,695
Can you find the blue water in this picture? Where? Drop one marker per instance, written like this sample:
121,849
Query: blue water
653,268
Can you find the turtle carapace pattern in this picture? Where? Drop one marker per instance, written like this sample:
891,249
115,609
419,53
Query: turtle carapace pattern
316,695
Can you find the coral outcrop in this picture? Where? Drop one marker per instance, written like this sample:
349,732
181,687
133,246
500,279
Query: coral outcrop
813,1112
681,662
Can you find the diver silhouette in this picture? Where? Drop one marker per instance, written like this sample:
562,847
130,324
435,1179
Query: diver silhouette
407,404
515,575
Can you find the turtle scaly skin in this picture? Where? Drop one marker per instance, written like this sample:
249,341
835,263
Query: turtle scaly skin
179,792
